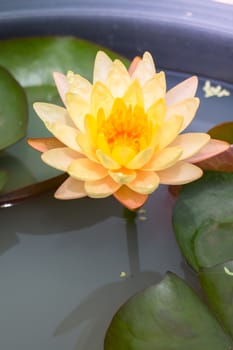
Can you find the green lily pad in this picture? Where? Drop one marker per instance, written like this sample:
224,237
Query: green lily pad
13,110
214,243
217,283
32,61
166,316
200,203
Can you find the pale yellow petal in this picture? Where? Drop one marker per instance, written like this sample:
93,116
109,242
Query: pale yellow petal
154,89
123,176
61,84
101,67
211,149
86,170
50,113
71,189
180,174
133,95
140,159
130,199
156,112
101,98
101,188
191,143
186,89
60,158
118,79
77,108
145,182
123,154
169,131
79,85
186,108
145,69
107,161
65,134
86,146
163,159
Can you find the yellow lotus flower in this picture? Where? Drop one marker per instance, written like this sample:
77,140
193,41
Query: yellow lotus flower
120,135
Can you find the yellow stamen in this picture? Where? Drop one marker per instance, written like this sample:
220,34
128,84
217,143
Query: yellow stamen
126,127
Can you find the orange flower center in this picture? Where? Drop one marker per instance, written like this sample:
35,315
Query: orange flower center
126,126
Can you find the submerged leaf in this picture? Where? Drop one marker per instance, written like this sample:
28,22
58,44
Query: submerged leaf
3,179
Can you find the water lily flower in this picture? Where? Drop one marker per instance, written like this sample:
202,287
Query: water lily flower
121,134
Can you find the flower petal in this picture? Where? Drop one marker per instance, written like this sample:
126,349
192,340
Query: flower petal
186,108
60,158
191,143
145,69
145,182
133,64
141,159
71,189
101,188
213,148
123,176
77,108
61,84
130,199
66,134
101,98
185,89
179,174
107,161
50,113
79,85
123,154
118,79
219,162
45,144
169,131
86,146
133,95
101,67
154,89
156,112
86,170
163,159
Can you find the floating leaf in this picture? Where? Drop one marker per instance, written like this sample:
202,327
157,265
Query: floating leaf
165,316
214,243
222,132
32,62
200,203
217,283
13,110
